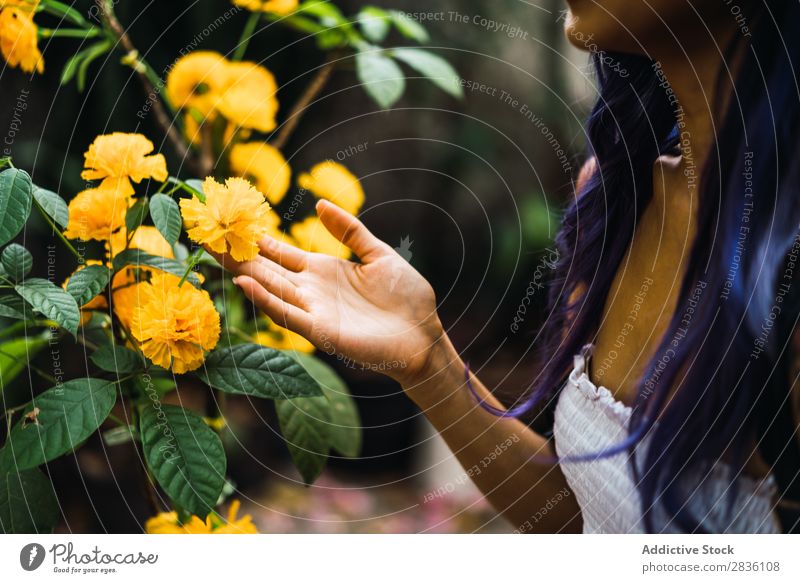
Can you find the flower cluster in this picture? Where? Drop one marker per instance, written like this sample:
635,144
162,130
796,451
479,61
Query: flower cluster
173,325
207,86
232,219
97,213
119,158
335,183
328,180
19,35
263,165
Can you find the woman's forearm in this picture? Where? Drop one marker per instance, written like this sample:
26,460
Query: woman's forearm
495,452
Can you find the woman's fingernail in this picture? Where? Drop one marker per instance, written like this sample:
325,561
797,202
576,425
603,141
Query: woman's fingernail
234,280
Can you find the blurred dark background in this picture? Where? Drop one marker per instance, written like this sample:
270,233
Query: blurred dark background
476,185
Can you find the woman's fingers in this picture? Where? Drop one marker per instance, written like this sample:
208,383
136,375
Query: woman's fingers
352,232
274,283
245,267
279,311
283,254
270,275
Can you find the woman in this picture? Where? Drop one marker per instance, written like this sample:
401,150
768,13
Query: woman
676,271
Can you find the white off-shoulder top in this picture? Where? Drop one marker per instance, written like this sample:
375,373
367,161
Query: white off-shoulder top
589,419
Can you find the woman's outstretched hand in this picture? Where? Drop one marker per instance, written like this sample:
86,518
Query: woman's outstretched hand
380,312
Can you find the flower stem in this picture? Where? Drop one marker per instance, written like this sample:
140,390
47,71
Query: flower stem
68,32
194,259
58,232
182,185
150,81
118,420
247,34
299,108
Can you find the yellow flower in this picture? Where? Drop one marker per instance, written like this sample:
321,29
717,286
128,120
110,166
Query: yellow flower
124,286
167,523
280,7
274,336
311,235
126,295
196,81
266,165
335,183
249,100
28,6
145,238
119,158
234,525
174,325
232,220
205,83
95,213
19,35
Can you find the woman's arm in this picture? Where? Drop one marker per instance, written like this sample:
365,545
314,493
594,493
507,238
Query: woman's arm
495,452
382,313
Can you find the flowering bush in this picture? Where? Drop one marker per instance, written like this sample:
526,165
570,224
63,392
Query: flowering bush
145,306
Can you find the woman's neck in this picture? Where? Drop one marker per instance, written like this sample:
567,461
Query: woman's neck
701,80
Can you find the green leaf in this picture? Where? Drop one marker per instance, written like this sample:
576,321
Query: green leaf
13,306
28,504
52,204
432,66
327,13
68,12
135,215
117,359
344,431
196,185
304,424
166,217
375,23
408,27
51,301
85,284
139,258
185,455
181,252
382,78
80,61
56,422
15,355
160,384
330,38
258,371
70,68
17,261
91,54
15,202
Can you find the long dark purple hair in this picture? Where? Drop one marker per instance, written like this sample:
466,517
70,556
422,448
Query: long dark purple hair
726,372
